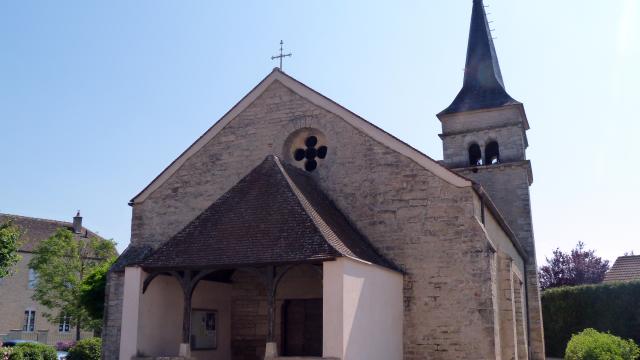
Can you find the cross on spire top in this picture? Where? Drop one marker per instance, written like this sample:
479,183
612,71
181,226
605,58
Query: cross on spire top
281,56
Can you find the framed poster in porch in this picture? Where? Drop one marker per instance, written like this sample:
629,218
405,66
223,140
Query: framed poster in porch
204,333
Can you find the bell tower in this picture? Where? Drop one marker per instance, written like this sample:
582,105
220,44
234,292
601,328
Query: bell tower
484,138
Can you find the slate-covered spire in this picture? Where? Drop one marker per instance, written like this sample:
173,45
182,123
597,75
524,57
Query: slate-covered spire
483,87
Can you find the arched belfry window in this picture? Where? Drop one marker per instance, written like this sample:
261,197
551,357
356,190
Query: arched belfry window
475,155
492,153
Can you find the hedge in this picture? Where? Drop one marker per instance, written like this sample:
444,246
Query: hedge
87,349
7,353
33,351
612,307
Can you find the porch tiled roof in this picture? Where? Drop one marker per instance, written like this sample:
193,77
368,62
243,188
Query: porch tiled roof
626,268
275,214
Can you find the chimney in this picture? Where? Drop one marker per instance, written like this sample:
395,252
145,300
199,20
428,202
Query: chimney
77,223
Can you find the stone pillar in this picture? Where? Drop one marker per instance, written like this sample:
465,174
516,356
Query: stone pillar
332,326
520,317
133,278
507,309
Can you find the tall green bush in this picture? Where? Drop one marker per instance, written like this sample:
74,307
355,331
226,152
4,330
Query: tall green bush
612,307
87,349
593,345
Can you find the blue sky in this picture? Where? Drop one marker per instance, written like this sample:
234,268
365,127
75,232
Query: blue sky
96,98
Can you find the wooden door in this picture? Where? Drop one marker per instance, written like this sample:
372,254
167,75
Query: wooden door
302,327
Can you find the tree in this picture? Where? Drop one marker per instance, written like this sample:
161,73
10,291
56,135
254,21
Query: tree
9,245
62,262
92,291
578,267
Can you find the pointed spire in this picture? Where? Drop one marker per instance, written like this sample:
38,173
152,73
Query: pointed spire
483,86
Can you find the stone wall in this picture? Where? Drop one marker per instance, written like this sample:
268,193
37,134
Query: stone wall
249,308
508,186
422,223
112,316
505,125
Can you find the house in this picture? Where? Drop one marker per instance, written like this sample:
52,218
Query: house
625,268
20,315
295,228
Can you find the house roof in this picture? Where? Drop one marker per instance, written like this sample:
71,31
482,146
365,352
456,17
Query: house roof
626,268
320,100
483,87
275,214
35,230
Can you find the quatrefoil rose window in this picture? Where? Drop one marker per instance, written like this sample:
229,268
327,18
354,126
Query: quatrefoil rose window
310,153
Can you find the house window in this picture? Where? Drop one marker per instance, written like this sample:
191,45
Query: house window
29,321
64,326
33,279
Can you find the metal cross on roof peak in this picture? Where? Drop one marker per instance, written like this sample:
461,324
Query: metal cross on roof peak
281,56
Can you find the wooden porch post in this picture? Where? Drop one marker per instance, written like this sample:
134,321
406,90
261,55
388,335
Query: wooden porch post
187,289
271,304
271,350
186,318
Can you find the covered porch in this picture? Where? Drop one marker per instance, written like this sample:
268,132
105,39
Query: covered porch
340,309
271,270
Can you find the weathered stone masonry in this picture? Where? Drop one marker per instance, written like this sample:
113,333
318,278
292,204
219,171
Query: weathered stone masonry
422,223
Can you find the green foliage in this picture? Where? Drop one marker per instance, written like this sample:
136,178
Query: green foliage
8,353
611,307
9,245
15,355
87,349
35,351
92,290
593,345
62,262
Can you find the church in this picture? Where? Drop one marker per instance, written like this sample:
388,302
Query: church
295,229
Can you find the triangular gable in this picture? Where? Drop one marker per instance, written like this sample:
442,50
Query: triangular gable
319,100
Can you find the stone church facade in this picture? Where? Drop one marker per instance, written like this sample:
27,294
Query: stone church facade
293,227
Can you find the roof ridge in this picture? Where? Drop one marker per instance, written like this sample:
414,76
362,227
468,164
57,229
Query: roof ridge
306,204
37,218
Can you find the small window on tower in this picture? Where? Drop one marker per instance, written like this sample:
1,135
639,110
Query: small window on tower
492,153
475,155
